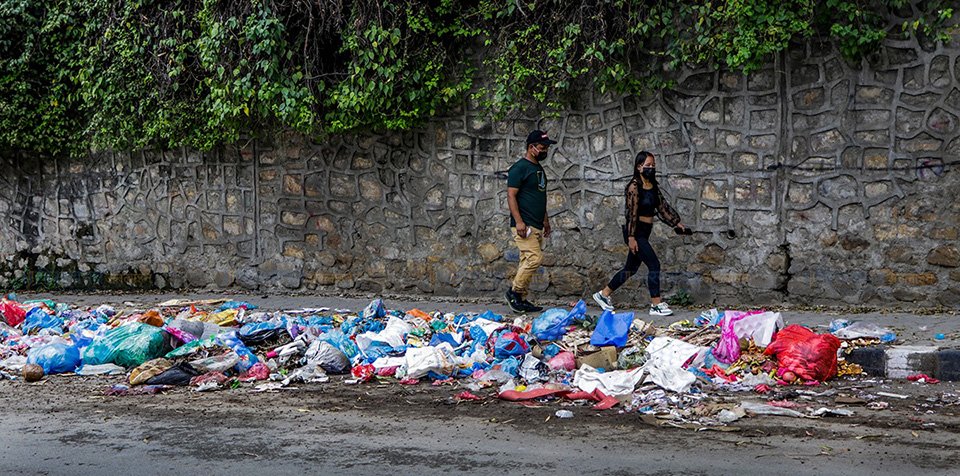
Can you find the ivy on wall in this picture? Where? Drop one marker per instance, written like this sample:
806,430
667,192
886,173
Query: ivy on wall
76,75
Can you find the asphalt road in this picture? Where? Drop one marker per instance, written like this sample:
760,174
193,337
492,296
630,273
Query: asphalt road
66,425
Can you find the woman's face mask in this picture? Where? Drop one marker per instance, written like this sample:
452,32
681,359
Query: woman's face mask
648,172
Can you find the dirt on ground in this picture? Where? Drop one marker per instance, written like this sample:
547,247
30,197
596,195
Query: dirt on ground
920,430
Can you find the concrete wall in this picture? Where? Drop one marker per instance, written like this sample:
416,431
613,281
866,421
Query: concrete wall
812,181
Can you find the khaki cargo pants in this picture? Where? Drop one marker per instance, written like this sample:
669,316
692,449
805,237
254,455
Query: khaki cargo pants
531,256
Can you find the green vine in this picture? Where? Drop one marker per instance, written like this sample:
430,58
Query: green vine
108,74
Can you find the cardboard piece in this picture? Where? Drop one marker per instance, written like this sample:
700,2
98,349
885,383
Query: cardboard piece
605,358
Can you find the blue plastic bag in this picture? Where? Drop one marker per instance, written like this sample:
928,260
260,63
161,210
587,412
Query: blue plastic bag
374,310
38,319
490,316
510,344
340,340
509,365
447,337
236,305
247,359
578,312
553,323
551,351
612,329
56,357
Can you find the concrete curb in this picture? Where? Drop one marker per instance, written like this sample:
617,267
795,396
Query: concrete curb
900,361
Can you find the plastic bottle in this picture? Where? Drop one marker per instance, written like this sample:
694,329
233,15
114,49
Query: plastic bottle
564,414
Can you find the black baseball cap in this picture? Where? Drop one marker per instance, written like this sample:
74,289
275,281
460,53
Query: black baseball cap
539,137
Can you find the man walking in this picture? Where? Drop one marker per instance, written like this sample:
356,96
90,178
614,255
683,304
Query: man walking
527,198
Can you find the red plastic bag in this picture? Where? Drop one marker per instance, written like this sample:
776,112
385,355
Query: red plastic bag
259,371
12,312
808,355
364,373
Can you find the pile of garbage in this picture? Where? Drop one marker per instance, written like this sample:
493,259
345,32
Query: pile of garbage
611,359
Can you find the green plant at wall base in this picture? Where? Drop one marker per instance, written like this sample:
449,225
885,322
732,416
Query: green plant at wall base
680,298
76,75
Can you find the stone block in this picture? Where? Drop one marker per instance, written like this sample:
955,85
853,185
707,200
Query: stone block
942,122
762,80
921,143
947,256
764,119
813,98
712,254
715,191
868,95
711,113
918,279
293,218
827,141
763,142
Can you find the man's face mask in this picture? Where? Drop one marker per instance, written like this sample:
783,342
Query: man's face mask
541,153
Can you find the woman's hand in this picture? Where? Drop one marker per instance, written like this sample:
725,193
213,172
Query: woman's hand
632,244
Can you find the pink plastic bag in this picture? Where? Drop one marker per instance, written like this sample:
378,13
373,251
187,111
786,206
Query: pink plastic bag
728,350
563,361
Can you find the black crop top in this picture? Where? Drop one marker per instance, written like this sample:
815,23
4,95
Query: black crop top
647,203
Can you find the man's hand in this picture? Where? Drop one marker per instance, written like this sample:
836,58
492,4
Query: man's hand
546,229
521,229
632,244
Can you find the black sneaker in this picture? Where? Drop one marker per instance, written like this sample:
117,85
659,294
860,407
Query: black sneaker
515,301
531,307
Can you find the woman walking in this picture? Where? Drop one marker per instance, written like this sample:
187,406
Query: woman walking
644,201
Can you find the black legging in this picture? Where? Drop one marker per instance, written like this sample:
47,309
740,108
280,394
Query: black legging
645,255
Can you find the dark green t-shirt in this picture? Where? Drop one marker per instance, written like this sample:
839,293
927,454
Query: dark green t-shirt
531,181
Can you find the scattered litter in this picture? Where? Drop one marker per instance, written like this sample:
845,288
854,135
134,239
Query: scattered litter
892,395
677,376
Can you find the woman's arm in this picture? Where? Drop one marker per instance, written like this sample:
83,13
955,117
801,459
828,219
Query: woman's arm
665,212
633,209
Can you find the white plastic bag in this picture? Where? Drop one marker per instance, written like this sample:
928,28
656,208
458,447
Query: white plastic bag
665,359
616,383
423,360
759,327
393,334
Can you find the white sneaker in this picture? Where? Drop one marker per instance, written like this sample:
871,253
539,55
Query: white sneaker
605,302
661,309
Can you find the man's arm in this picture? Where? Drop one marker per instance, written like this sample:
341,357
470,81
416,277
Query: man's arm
515,211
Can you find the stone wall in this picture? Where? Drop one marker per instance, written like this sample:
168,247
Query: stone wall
812,181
